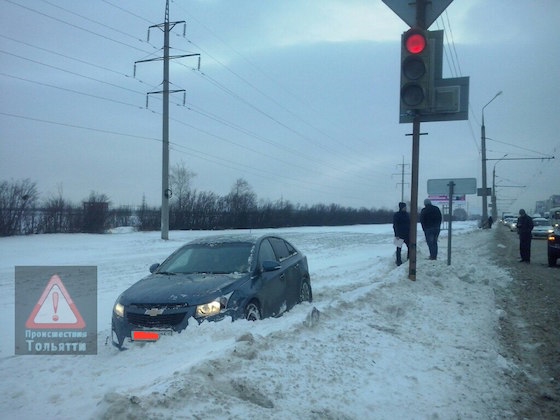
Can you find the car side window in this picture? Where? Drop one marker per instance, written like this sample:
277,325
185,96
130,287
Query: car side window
291,249
266,253
280,248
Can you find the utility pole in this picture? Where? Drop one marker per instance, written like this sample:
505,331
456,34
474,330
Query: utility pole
484,190
166,192
494,199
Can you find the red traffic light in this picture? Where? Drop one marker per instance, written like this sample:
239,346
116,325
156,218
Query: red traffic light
415,70
415,42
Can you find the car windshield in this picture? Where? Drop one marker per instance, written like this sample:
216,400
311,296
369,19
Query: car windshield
211,258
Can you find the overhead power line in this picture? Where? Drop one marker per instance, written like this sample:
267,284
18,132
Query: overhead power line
73,25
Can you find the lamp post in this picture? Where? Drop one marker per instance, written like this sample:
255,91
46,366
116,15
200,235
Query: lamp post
484,181
494,201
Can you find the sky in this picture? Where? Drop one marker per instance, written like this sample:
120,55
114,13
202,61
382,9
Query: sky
383,346
300,99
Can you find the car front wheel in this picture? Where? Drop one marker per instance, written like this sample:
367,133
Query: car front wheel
252,311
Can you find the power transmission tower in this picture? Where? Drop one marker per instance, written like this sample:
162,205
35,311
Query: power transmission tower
402,173
166,193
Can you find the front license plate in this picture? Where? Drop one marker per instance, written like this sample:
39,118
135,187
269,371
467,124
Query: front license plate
149,335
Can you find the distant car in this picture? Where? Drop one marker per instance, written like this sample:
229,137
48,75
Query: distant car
238,276
511,223
554,214
542,227
553,247
506,216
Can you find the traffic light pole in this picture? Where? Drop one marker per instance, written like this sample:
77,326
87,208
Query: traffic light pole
421,58
414,198
412,252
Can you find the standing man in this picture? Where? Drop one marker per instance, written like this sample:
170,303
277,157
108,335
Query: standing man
430,219
401,227
524,228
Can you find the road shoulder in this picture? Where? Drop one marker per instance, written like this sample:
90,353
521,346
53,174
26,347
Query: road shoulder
530,325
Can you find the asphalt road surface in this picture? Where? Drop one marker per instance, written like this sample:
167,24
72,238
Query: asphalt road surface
530,328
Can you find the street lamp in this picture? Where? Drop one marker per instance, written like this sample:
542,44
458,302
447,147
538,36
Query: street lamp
484,183
494,204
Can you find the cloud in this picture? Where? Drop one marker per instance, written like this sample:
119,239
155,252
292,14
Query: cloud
299,23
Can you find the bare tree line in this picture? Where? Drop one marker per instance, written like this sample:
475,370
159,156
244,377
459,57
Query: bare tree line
22,212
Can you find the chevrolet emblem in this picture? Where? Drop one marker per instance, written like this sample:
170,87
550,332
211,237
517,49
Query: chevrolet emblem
153,312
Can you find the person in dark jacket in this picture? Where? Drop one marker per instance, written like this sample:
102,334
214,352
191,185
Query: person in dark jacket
401,227
524,229
430,219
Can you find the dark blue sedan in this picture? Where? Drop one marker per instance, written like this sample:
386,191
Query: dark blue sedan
238,276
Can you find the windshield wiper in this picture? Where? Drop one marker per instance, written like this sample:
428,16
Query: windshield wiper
166,273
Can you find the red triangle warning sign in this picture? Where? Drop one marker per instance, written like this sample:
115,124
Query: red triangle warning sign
55,309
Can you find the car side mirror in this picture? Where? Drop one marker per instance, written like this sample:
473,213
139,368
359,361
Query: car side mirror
270,265
154,267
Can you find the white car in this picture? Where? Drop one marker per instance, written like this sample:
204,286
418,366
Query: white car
511,223
542,227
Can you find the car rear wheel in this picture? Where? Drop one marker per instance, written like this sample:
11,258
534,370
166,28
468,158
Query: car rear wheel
305,294
252,311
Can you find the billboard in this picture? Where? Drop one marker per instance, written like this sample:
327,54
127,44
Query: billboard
445,198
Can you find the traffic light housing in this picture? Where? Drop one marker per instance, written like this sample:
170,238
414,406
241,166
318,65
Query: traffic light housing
415,71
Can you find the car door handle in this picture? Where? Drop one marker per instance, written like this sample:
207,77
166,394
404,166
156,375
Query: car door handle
282,277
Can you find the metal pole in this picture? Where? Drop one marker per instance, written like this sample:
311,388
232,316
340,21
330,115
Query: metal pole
451,185
494,209
484,180
165,134
484,183
414,198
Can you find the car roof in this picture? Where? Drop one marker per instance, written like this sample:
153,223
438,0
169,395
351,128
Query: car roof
223,239
234,238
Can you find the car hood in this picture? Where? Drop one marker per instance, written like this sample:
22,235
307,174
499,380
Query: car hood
191,289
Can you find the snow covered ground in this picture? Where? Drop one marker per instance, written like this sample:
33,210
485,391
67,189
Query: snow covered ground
384,347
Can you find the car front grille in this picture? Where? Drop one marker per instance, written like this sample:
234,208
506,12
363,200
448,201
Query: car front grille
147,316
158,321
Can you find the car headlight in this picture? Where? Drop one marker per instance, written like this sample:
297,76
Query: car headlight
119,309
212,308
208,309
